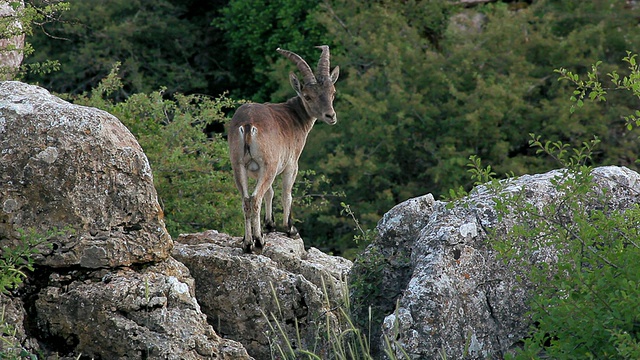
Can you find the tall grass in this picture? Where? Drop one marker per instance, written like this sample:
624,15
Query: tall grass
337,337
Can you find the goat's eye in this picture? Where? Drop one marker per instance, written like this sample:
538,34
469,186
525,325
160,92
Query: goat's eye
307,97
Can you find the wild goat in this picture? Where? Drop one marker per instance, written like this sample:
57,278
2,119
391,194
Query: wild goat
266,140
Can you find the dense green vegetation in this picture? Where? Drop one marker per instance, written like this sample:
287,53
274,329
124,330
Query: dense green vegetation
424,84
585,301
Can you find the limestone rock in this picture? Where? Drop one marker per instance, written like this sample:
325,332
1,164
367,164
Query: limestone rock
108,289
440,269
238,291
14,339
127,314
64,165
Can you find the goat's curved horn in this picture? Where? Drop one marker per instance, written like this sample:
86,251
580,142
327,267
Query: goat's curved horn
307,74
323,63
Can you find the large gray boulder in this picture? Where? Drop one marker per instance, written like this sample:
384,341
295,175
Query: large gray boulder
444,291
76,168
128,314
242,293
108,287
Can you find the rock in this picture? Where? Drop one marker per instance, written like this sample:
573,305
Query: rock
443,287
238,291
128,314
76,168
108,289
14,339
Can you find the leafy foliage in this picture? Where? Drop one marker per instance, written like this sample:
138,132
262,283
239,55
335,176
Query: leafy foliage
581,257
420,94
17,258
580,254
191,169
20,22
595,90
253,30
161,43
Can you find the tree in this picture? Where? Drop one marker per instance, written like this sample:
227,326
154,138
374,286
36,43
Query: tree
17,20
160,43
420,94
253,30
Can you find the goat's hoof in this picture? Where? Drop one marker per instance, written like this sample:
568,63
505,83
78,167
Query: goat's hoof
292,232
269,227
247,246
258,242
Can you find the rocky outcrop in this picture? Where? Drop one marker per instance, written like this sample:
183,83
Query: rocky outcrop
123,313
115,286
242,293
444,290
108,287
76,168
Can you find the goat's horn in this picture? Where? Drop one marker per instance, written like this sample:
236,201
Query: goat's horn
323,63
307,74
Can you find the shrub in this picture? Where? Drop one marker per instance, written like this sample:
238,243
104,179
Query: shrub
586,299
191,168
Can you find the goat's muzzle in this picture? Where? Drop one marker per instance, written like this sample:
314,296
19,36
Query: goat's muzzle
330,118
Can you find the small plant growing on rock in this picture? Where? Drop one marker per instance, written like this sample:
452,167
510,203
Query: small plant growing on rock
15,260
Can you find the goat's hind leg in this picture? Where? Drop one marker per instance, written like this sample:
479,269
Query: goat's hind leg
247,241
263,187
240,175
269,222
288,178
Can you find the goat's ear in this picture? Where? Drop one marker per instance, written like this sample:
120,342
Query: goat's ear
295,83
334,74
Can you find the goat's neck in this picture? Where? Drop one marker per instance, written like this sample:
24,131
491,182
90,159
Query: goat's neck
305,120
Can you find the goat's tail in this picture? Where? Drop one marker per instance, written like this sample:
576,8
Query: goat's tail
247,133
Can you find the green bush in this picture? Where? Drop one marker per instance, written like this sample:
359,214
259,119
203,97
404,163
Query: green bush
586,299
16,259
191,169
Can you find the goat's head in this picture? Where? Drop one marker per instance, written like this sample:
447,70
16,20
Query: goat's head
316,91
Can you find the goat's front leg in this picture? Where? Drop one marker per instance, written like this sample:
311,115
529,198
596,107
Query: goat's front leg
288,179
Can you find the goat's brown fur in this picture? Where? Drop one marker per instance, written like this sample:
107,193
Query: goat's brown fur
266,140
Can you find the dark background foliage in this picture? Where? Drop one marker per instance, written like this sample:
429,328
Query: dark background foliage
423,84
